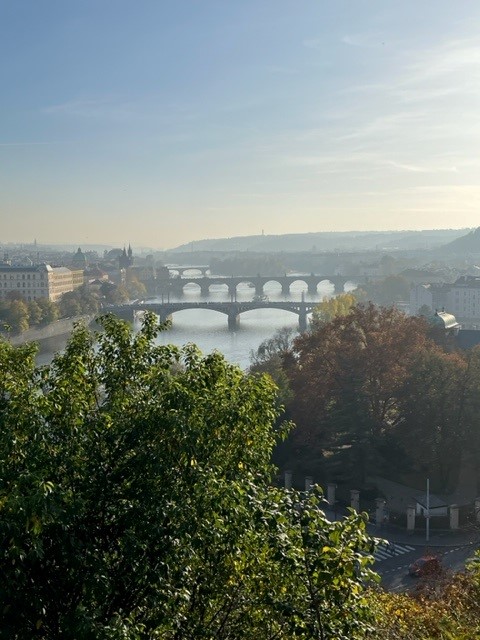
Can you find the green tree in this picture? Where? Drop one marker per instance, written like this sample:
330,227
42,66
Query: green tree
34,312
433,404
269,358
136,502
69,305
331,308
134,287
81,300
116,295
425,310
384,292
18,316
50,311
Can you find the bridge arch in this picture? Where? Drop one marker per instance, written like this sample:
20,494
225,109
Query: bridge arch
232,310
189,283
273,281
193,271
301,280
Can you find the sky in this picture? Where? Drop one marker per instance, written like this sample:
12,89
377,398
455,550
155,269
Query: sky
159,122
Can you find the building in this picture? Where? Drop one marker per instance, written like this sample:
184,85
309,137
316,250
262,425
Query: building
125,259
79,260
464,298
432,295
37,281
445,321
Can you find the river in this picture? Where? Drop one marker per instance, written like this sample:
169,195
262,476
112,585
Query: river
208,329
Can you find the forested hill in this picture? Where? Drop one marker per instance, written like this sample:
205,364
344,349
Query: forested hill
329,241
467,243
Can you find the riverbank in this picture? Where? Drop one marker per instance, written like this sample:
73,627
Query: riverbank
56,329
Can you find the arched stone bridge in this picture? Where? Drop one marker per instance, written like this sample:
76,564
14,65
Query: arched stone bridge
203,268
176,284
232,310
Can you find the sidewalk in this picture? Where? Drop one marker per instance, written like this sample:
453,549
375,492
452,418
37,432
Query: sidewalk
395,534
438,538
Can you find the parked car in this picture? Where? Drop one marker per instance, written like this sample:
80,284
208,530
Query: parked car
425,566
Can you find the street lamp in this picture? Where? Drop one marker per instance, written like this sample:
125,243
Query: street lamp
427,515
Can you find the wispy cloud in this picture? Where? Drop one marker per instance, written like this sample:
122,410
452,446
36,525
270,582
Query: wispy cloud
92,108
415,168
386,124
364,40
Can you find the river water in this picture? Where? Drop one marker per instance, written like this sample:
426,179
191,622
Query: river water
208,329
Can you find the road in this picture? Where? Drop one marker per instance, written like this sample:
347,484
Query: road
393,559
394,570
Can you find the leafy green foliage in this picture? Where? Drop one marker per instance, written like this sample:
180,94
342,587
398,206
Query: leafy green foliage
386,291
269,358
136,502
331,308
442,609
81,300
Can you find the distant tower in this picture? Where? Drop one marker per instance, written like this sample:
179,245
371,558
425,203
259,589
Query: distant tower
79,260
125,259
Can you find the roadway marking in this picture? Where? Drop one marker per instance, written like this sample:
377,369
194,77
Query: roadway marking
390,550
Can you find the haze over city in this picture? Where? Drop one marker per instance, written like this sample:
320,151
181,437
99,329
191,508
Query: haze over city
161,123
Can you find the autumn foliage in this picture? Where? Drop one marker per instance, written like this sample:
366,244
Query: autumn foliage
372,393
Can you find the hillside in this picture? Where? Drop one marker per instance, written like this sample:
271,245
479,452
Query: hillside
469,243
328,241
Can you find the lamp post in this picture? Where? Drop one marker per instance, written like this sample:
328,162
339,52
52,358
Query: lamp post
427,515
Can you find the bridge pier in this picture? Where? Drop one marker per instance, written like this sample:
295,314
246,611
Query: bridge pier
204,288
233,321
312,288
259,288
125,313
232,289
302,321
165,317
285,287
338,286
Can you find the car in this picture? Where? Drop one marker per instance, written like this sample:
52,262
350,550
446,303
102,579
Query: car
425,566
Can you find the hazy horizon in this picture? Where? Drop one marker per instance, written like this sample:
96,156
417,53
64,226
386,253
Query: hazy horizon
161,124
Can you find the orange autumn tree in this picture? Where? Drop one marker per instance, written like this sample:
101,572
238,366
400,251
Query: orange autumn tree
347,377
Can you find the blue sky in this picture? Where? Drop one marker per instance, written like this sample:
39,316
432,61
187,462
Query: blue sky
160,122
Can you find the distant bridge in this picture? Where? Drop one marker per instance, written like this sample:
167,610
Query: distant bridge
202,268
232,310
177,284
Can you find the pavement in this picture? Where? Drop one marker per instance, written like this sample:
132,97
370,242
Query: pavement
437,538
398,535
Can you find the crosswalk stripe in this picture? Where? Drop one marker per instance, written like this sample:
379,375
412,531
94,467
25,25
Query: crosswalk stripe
384,552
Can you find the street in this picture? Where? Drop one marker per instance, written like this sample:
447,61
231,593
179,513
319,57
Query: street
394,569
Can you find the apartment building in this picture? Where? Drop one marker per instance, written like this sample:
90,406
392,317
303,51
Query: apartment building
463,299
38,281
432,295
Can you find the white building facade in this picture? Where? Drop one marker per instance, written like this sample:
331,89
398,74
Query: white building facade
32,282
463,299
